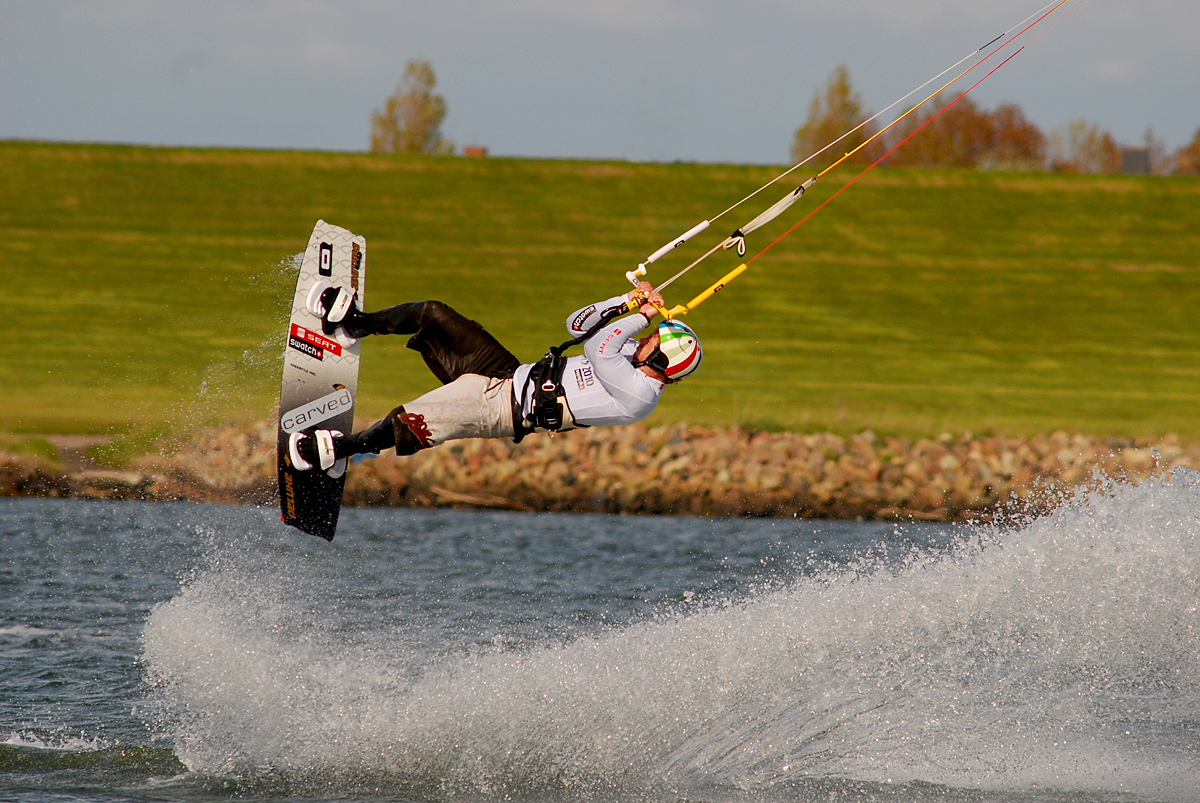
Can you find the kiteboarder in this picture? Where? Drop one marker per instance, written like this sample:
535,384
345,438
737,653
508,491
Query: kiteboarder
488,393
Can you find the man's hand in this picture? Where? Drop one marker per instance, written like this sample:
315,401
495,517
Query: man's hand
649,297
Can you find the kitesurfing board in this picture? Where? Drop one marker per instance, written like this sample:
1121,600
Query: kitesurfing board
320,380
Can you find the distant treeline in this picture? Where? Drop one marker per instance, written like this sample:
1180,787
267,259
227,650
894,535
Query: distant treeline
964,135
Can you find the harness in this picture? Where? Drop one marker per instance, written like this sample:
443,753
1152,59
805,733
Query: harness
549,411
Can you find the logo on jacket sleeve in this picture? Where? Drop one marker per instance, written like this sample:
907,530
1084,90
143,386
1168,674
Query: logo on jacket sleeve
577,323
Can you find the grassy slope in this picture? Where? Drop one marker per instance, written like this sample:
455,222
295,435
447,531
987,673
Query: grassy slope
148,286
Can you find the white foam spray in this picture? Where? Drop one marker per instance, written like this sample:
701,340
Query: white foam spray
1064,653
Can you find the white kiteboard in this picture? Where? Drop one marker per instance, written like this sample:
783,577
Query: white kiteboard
320,380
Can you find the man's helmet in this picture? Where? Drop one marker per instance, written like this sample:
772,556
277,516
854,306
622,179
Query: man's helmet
682,347
678,352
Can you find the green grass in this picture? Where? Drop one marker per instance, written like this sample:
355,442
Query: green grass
147,287
35,446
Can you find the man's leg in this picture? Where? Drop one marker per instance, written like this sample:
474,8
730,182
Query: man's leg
335,307
472,406
455,348
407,434
372,440
324,447
402,319
454,345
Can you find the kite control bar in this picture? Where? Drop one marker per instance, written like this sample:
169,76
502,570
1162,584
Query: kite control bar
633,275
738,238
709,292
684,309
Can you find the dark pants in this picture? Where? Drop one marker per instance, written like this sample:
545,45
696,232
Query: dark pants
450,343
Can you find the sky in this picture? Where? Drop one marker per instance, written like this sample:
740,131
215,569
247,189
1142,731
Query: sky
648,80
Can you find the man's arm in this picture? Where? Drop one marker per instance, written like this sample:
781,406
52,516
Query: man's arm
581,321
609,352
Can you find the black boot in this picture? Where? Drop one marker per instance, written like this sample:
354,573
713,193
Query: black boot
372,440
402,319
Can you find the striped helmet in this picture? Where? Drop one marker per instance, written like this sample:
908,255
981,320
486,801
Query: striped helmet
681,347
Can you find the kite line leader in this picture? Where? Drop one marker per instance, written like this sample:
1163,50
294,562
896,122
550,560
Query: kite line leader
737,239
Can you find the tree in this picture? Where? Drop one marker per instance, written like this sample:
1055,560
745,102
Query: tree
954,136
411,118
1083,147
966,136
831,114
1016,141
1187,158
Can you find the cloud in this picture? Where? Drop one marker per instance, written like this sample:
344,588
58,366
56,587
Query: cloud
638,78
630,16
186,63
1118,70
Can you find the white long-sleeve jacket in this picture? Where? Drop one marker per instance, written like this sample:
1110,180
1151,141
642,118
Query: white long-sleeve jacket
602,387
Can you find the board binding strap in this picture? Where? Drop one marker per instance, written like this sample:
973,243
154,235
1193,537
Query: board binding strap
320,380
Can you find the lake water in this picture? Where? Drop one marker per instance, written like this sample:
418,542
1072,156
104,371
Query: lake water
194,652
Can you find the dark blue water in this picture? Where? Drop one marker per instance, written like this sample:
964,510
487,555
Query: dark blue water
188,652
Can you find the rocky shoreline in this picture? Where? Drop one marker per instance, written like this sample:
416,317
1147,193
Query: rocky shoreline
638,469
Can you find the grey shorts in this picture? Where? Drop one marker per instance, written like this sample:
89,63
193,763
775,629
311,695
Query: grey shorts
471,406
